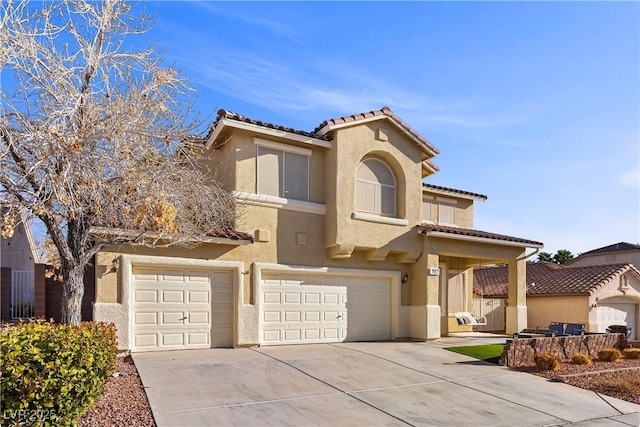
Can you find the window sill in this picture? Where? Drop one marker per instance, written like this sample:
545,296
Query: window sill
280,203
379,219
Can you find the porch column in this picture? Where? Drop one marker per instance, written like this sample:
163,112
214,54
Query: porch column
517,297
425,310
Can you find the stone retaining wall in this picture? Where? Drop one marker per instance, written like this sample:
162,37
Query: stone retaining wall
522,351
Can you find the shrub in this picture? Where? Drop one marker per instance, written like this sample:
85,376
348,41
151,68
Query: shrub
609,355
546,361
581,359
631,353
50,373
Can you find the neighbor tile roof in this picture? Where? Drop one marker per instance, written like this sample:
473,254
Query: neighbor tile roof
616,247
545,278
453,190
428,228
384,111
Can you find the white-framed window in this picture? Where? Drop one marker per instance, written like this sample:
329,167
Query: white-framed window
282,171
375,188
446,211
427,203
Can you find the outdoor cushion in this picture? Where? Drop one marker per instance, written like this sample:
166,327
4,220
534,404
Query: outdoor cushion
466,318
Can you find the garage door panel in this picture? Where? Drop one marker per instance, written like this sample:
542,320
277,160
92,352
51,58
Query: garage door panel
271,297
198,297
290,298
146,341
172,296
146,318
145,295
199,318
172,339
327,309
181,309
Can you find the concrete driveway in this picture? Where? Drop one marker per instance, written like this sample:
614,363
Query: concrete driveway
367,384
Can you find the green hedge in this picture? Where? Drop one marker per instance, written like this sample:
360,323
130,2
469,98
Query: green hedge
51,373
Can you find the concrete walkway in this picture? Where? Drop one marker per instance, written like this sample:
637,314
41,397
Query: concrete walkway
362,384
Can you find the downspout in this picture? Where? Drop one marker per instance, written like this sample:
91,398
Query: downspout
530,255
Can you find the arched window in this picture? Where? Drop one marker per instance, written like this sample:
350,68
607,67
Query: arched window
375,188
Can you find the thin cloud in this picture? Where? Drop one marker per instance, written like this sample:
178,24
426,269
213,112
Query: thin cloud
629,179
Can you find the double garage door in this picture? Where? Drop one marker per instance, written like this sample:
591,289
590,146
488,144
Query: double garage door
181,309
174,308
299,309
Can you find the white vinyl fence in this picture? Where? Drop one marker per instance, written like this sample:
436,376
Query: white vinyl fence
22,294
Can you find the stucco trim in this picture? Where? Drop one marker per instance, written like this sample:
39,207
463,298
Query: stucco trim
280,203
124,310
379,219
394,278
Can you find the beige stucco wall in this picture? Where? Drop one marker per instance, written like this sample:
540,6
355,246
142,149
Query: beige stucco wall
350,146
323,233
463,210
542,310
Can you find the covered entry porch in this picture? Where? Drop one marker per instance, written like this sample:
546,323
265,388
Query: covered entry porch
449,255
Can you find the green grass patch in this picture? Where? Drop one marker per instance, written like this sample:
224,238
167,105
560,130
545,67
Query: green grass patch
488,352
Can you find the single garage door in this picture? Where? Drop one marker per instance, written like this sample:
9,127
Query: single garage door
181,309
320,309
617,314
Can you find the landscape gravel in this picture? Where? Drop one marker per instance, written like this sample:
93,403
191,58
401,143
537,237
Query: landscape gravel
124,402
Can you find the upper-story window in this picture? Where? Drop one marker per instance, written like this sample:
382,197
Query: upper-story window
446,211
375,188
427,203
283,171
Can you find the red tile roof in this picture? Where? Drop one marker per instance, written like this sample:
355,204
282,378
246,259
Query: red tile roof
384,111
224,114
544,278
427,229
453,190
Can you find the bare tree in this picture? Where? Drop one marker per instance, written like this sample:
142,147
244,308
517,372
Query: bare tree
96,136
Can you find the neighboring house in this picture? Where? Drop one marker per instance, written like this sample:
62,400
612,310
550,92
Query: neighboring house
20,260
596,295
339,240
617,253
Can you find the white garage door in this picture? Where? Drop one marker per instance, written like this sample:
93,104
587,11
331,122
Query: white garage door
181,309
617,314
320,309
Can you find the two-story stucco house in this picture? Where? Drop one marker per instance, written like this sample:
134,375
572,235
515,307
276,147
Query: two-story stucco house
339,239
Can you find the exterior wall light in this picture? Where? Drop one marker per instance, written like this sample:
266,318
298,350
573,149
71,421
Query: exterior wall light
114,265
405,278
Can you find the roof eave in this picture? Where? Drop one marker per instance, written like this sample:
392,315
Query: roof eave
445,235
230,123
426,146
452,192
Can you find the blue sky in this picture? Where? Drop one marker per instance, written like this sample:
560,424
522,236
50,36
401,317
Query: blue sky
534,104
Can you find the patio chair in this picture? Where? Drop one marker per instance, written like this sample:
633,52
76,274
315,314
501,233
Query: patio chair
556,329
574,329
